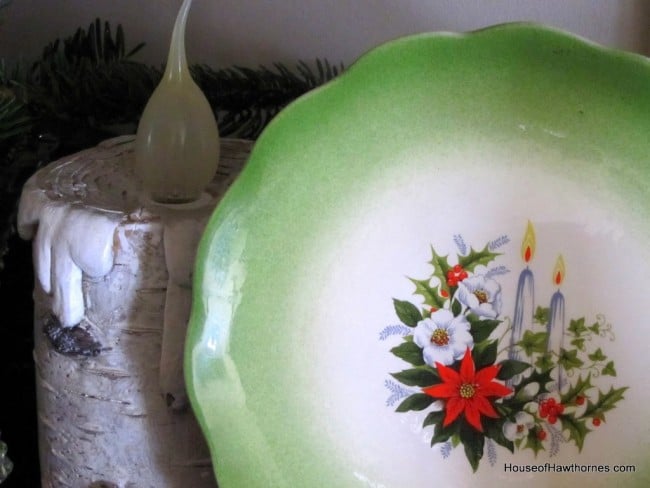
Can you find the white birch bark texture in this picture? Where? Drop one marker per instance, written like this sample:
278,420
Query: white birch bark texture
112,300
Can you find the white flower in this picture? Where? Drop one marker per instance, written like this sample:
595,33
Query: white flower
520,427
481,295
443,337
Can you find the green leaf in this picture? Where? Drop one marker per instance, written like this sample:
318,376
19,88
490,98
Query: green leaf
577,429
511,368
440,269
473,443
606,401
494,430
609,369
545,362
481,329
477,258
417,401
542,315
423,376
540,377
430,294
597,355
533,342
410,352
484,354
407,312
579,389
533,442
456,308
579,343
595,328
434,418
443,434
577,327
569,359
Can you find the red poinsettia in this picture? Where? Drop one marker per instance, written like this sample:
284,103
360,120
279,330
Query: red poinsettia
467,391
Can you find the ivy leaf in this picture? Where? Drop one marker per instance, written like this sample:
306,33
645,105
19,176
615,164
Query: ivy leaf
579,343
424,376
577,429
579,389
533,342
477,258
544,362
484,354
409,352
597,355
569,359
473,442
417,401
407,312
595,328
577,327
430,294
609,369
511,368
481,329
542,315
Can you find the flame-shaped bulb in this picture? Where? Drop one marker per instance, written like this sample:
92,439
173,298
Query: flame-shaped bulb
177,143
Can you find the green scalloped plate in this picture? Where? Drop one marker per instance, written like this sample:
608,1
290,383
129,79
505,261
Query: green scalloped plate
434,269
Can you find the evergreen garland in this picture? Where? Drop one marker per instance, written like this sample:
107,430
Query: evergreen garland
87,88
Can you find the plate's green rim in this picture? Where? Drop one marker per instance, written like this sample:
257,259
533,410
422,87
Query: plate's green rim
634,63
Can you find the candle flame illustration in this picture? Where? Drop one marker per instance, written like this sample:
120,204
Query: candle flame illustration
559,272
528,244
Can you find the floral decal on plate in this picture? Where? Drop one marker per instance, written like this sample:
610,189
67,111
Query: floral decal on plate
534,381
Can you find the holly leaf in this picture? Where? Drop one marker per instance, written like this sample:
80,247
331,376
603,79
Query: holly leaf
576,390
533,442
577,429
410,352
473,443
609,369
606,401
484,354
577,327
476,258
597,355
540,377
481,329
511,368
407,312
423,376
430,294
417,401
440,269
542,315
533,342
569,359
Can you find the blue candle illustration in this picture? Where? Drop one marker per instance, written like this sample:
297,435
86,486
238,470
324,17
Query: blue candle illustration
525,298
555,327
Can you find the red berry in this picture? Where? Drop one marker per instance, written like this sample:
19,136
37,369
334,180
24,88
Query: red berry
541,434
596,421
559,409
580,400
552,419
458,268
444,293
